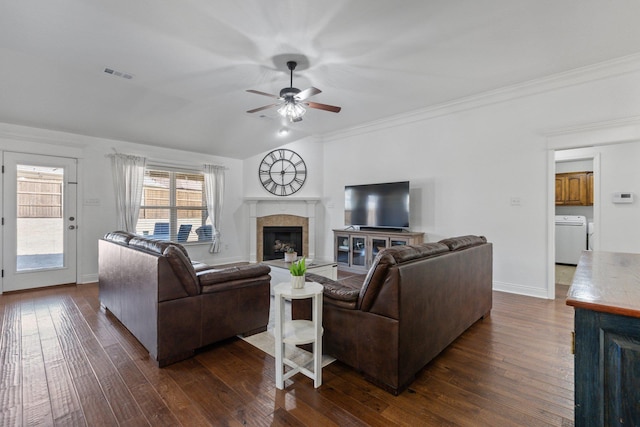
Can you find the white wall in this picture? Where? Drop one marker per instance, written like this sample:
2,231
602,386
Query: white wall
94,182
465,166
619,228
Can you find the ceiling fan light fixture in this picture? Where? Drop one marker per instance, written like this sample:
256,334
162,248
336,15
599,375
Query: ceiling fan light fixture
292,100
292,111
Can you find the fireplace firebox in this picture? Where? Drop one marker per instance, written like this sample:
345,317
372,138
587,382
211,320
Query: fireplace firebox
277,240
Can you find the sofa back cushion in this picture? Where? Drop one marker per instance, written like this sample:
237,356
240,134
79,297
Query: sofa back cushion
183,269
387,258
463,242
122,237
155,246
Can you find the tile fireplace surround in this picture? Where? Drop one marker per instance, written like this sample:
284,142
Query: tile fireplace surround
281,212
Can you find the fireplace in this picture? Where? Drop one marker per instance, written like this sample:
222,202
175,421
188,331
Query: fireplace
277,240
265,213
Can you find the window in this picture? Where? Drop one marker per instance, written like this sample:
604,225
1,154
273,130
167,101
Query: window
174,206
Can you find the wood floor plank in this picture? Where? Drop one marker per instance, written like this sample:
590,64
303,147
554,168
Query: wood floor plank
193,379
65,361
11,403
121,402
175,399
65,404
94,404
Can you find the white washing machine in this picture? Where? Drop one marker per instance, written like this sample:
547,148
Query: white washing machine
571,238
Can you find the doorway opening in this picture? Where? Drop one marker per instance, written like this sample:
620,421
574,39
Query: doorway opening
575,212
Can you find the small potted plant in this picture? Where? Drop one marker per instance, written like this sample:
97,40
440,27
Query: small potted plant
290,255
298,270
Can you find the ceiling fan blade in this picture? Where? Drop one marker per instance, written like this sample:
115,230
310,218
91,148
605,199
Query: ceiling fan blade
324,107
257,92
307,93
255,110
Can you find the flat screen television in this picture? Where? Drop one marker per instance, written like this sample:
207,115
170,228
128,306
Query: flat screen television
383,205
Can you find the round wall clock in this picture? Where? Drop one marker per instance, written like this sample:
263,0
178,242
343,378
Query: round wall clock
282,172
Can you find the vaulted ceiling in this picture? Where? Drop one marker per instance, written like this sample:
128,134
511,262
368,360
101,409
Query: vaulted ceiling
191,61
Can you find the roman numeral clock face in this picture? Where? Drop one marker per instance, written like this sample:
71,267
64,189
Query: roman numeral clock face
282,172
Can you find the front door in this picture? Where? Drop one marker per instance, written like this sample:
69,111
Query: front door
39,215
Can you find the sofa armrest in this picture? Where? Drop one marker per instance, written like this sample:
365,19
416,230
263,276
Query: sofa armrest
213,275
336,293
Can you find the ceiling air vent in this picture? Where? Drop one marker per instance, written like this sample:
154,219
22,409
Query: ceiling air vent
118,73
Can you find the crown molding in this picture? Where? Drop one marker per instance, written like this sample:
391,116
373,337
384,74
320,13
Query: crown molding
601,70
41,135
616,131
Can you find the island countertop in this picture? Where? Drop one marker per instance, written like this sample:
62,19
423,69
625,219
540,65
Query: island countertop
607,282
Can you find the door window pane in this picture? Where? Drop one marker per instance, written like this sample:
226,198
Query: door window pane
40,225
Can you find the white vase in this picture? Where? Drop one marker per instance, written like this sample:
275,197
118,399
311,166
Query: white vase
290,256
297,282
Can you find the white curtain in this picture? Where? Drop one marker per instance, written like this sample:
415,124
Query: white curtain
128,180
214,188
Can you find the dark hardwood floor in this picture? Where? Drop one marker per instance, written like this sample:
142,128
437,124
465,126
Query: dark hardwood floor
64,361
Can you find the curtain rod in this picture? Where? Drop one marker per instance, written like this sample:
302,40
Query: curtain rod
172,164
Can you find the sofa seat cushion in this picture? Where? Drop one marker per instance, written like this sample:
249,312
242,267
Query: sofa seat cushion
463,242
213,275
200,266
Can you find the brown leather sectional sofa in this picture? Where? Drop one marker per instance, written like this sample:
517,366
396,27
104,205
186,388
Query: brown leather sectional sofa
413,303
173,306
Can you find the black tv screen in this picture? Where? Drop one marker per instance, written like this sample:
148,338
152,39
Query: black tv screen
377,205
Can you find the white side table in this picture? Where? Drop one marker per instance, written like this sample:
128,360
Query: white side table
294,332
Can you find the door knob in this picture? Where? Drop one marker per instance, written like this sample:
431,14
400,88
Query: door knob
72,227
71,218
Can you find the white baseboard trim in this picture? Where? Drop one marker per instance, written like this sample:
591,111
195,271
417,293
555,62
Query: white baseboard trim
87,278
513,288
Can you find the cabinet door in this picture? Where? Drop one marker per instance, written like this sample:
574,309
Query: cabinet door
358,251
394,241
378,243
342,248
607,362
561,189
576,189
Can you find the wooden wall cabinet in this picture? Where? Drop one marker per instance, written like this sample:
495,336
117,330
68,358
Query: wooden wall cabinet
574,189
355,250
590,188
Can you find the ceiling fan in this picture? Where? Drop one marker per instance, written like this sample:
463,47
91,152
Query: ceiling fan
292,101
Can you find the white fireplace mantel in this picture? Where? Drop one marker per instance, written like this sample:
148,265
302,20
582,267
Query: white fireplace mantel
260,207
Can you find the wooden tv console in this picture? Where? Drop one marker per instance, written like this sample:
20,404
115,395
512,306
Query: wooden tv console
355,250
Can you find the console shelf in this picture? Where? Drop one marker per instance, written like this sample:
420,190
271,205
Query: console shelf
355,250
